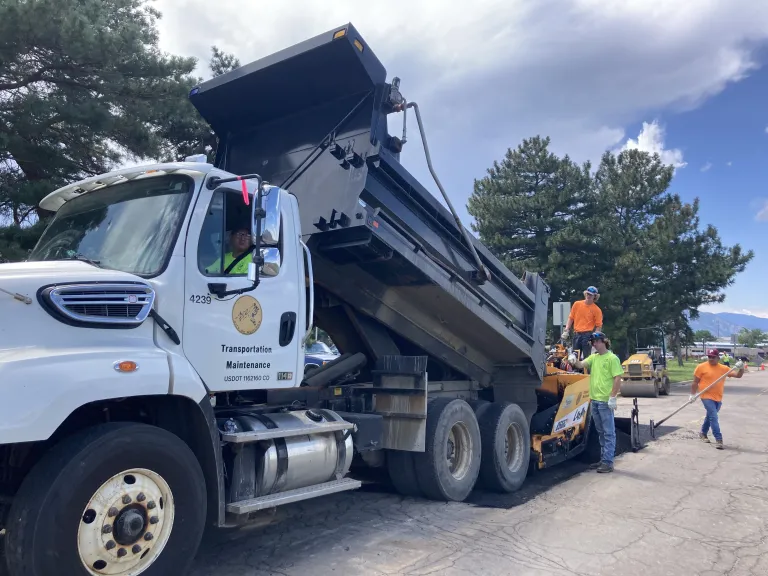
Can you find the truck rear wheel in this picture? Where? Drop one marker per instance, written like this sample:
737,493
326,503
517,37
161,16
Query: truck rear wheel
506,440
450,464
116,499
402,472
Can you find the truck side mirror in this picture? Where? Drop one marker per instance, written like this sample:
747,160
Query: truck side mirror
270,228
265,230
272,261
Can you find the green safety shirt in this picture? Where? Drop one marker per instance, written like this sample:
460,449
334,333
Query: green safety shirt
239,268
603,368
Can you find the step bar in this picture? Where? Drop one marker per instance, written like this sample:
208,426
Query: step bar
272,433
290,496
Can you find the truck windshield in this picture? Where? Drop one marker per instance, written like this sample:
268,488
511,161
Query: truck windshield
129,227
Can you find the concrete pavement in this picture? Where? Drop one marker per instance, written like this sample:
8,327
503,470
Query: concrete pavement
677,507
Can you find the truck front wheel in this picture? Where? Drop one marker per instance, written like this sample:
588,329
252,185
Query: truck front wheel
113,500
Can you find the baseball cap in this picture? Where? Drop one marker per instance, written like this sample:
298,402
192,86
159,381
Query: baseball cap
597,336
713,353
592,290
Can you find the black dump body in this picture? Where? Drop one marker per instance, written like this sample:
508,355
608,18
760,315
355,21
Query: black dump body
393,272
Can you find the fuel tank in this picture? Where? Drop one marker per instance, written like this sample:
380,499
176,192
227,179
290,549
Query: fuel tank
289,463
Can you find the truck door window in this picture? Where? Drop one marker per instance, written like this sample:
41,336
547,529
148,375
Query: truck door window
225,236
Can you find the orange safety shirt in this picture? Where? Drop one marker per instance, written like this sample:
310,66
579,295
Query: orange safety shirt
706,373
585,317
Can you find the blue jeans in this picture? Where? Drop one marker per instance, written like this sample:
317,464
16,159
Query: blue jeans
581,343
606,431
710,419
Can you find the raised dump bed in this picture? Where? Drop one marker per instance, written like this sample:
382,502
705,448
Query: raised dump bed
394,271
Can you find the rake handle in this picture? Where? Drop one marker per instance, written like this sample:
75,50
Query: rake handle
692,400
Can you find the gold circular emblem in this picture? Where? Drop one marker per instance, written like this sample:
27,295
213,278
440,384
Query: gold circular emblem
246,315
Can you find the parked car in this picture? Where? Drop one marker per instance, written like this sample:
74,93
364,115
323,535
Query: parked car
317,354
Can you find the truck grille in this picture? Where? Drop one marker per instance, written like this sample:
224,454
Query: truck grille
118,303
635,370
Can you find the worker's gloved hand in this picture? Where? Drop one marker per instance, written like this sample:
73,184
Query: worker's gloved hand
565,334
572,359
739,365
691,397
612,402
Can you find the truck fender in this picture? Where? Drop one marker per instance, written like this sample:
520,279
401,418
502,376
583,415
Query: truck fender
41,387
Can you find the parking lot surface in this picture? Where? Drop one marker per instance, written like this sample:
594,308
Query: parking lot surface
676,507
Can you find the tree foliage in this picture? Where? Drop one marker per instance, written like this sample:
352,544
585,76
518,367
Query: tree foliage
703,336
83,87
752,338
618,228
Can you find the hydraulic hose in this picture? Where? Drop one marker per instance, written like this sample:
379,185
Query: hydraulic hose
484,274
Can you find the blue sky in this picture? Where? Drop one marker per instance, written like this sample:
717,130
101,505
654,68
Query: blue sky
684,78
725,145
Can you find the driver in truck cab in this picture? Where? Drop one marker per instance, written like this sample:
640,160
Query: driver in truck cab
239,243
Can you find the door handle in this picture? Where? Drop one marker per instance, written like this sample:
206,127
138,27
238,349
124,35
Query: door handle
287,328
311,311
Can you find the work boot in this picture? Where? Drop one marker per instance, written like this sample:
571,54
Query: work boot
704,438
594,465
604,468
719,444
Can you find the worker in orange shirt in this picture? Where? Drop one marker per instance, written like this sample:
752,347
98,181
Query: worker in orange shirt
586,318
706,373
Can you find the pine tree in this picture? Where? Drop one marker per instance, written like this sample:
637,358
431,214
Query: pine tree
619,229
528,203
83,86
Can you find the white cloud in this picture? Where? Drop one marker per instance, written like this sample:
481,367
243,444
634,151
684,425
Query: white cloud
576,70
717,308
766,129
729,163
706,167
651,139
762,210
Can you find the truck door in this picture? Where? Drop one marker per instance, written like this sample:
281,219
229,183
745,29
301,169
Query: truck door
250,340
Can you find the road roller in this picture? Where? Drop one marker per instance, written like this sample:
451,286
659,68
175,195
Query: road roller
645,372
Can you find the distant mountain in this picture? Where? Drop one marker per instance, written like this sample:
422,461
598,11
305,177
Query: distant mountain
727,323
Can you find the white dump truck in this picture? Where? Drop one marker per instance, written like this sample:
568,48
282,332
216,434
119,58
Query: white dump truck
152,344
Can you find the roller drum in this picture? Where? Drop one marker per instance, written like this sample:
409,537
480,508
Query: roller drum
639,389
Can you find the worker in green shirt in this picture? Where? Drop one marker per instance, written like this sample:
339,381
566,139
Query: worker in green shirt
604,382
239,242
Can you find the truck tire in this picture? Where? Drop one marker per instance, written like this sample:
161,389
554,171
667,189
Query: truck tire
506,441
450,464
666,386
402,473
479,406
94,499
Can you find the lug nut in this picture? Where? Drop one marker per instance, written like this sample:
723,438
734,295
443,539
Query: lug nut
112,512
154,520
148,536
121,553
151,504
126,499
110,545
136,549
141,497
106,529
